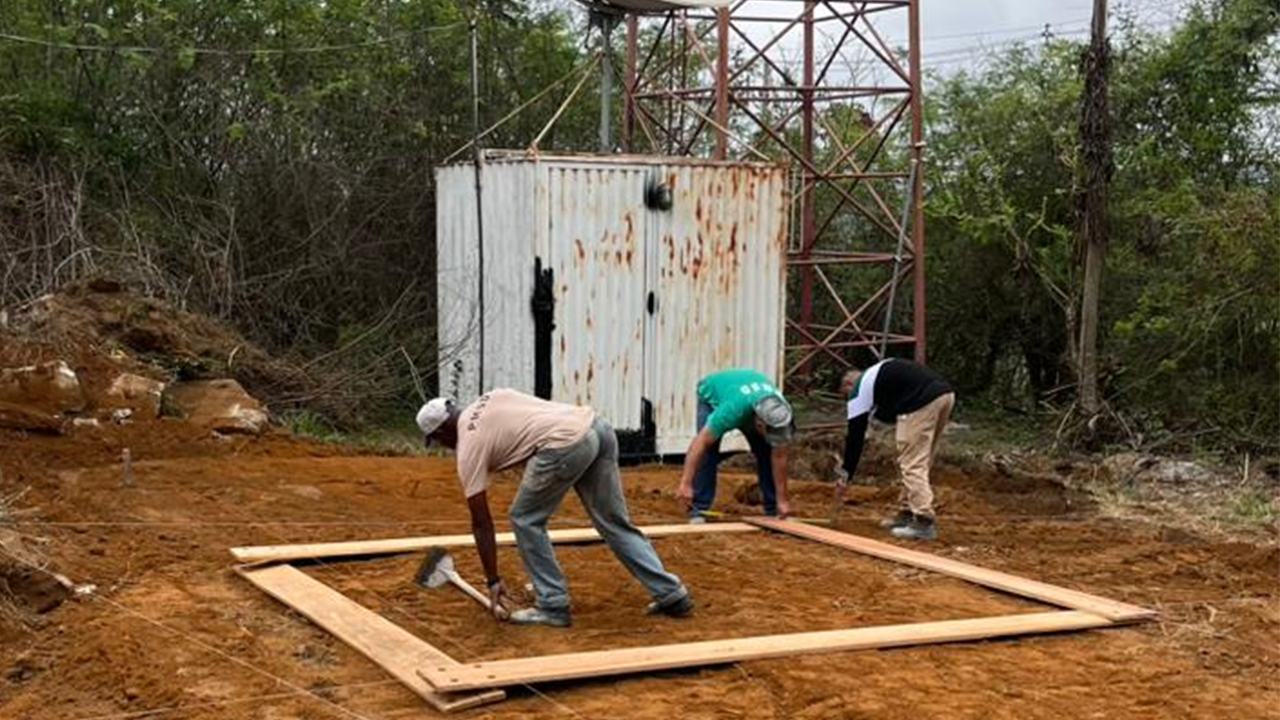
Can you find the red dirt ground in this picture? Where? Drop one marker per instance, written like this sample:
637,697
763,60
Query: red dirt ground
172,632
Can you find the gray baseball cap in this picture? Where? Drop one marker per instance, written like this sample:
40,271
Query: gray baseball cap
775,413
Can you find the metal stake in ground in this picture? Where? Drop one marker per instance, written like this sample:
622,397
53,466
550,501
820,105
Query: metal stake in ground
127,459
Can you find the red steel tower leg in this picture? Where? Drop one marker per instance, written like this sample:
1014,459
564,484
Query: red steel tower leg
808,185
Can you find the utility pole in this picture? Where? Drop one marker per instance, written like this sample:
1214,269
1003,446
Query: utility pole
1095,148
606,21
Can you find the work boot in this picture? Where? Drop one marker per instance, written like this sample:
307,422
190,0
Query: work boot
921,527
678,608
903,517
697,520
541,616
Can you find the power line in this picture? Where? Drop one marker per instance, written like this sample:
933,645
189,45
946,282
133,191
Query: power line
1136,6
148,49
973,52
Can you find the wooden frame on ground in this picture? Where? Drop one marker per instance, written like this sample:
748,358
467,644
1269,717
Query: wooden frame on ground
449,685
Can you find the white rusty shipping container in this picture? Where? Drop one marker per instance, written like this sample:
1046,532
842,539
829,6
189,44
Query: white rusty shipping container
655,271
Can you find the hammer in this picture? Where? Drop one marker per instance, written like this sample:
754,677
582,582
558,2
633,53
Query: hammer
437,569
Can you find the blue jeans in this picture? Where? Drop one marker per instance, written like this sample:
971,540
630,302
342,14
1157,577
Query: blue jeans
590,467
704,481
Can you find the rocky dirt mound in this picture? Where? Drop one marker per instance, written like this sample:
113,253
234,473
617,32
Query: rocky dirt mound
107,317
96,352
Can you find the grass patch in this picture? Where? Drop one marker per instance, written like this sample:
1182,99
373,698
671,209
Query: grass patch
1253,507
392,439
312,425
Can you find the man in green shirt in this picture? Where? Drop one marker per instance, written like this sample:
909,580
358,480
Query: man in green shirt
746,400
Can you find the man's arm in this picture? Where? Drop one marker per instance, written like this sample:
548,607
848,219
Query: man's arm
853,441
702,442
483,530
779,459
487,547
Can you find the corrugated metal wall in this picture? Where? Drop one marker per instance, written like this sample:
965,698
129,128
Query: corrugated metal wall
597,240
512,239
457,312
719,283
714,262
513,213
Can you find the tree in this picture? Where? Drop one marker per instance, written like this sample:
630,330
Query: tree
1095,152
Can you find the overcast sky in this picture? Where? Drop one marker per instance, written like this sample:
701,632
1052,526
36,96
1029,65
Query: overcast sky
957,33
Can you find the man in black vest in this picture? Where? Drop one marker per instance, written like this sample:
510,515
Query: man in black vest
920,402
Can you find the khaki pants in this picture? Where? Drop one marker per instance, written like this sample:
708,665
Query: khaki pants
918,435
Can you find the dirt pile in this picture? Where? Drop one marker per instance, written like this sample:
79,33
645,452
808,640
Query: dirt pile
97,353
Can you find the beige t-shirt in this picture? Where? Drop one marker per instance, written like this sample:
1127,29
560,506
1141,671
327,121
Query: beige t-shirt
505,427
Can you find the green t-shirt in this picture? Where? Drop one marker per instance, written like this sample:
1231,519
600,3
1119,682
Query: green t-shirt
732,395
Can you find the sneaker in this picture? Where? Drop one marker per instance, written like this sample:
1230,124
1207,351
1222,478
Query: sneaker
904,517
541,616
697,520
921,527
678,608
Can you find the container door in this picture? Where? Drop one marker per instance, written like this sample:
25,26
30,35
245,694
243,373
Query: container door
718,281
596,220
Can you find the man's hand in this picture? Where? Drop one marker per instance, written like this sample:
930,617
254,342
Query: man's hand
842,481
698,447
497,599
685,493
784,509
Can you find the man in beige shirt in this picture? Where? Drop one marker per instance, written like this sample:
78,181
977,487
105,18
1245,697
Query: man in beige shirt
563,446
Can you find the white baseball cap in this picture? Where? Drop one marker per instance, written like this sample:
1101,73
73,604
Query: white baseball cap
432,415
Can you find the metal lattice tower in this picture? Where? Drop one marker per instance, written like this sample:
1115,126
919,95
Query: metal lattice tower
817,85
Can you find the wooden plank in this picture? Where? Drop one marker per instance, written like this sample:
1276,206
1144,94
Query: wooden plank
1112,610
385,643
281,553
502,673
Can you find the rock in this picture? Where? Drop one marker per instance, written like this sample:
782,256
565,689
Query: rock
51,388
134,392
17,417
1180,471
1132,467
221,406
21,671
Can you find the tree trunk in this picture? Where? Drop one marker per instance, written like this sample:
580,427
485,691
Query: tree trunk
1095,145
